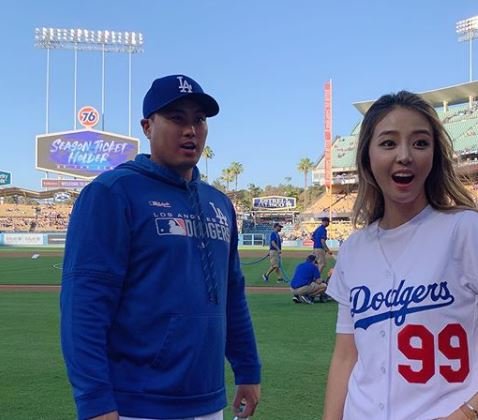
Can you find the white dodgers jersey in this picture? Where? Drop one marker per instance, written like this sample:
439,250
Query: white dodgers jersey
412,295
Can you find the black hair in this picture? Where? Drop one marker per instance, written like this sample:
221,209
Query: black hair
310,258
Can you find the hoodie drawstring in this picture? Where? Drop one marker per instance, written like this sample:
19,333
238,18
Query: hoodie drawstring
205,251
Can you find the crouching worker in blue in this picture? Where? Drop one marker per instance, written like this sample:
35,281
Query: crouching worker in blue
152,297
306,283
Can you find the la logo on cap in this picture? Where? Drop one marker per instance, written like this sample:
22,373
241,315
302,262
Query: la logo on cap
184,86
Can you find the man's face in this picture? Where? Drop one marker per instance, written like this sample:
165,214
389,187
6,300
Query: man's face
177,135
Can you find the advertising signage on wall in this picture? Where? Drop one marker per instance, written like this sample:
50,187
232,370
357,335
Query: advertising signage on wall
83,153
274,203
5,178
63,183
23,239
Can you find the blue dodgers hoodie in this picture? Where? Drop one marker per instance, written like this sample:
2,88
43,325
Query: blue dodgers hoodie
153,296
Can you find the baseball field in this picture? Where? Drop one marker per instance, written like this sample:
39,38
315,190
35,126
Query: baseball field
295,341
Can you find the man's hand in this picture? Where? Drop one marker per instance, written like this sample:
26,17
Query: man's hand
113,415
249,394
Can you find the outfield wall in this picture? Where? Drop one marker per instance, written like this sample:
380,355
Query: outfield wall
32,239
57,239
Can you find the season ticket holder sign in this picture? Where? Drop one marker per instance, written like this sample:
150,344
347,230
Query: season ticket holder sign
84,153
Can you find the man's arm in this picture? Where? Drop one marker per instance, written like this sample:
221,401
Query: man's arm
241,347
274,245
324,245
317,277
93,270
274,239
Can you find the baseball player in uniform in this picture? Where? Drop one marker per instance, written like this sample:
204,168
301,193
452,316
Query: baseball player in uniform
407,283
144,337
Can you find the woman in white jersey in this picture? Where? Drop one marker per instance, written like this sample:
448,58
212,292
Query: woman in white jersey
407,281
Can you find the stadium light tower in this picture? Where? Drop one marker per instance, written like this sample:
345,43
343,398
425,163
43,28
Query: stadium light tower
88,40
467,30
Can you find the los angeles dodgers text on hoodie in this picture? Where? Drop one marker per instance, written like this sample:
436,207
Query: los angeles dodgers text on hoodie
153,296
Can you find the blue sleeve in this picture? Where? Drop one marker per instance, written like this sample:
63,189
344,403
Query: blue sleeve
241,348
94,267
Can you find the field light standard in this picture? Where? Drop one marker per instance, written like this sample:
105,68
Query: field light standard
467,30
87,40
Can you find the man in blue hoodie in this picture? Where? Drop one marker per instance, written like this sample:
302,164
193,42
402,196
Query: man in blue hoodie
152,297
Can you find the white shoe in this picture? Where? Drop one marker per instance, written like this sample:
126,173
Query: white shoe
305,299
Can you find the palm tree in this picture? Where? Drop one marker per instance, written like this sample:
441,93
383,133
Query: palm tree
218,184
236,169
227,176
254,190
305,165
207,154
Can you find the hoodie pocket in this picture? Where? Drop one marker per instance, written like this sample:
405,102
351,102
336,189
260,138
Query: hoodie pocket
191,358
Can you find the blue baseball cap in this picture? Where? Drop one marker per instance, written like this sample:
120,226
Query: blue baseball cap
166,90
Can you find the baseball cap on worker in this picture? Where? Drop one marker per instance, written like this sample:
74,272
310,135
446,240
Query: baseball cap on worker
311,258
278,225
166,90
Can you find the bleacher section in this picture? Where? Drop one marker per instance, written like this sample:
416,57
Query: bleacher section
462,127
248,226
343,152
338,229
340,203
34,218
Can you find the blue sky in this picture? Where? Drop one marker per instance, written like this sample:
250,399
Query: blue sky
264,61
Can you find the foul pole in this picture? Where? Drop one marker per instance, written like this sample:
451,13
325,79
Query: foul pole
328,141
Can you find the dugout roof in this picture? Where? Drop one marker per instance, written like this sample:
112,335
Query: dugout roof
452,95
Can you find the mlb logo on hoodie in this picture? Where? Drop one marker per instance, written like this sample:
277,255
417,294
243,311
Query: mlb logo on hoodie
171,226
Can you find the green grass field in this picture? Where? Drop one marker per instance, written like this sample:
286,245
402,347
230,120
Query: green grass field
46,269
295,343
